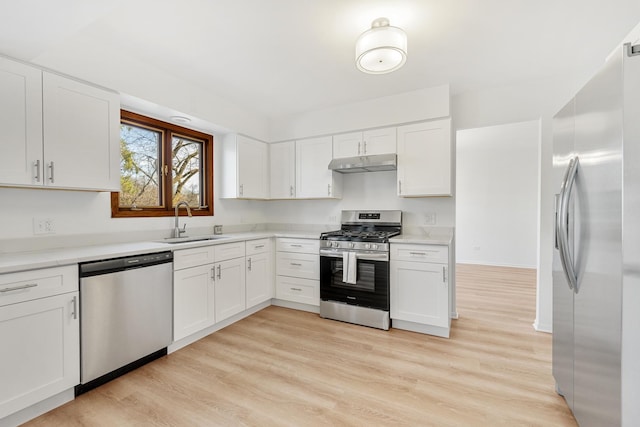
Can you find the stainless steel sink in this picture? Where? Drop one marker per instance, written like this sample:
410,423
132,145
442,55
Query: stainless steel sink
187,239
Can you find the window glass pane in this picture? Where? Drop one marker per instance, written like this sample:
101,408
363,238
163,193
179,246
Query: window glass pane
187,170
140,181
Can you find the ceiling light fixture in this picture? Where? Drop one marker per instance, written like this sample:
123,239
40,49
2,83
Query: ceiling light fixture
180,119
382,49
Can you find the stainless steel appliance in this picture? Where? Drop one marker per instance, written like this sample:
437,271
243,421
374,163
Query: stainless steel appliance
354,268
125,315
596,333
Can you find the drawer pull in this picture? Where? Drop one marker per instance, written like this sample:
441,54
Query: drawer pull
417,253
17,288
258,246
296,264
296,289
296,246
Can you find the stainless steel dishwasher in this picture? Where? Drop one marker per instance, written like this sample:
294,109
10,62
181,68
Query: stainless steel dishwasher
125,315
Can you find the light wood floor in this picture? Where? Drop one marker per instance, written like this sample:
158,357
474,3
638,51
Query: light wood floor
285,367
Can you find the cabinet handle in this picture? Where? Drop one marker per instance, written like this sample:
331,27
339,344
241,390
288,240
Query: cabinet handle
51,172
213,273
328,189
444,274
241,189
17,288
291,190
399,187
74,313
219,272
417,253
358,148
37,166
296,246
296,289
249,264
296,264
258,246
365,147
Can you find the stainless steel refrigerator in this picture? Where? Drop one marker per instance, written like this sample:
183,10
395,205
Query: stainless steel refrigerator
596,265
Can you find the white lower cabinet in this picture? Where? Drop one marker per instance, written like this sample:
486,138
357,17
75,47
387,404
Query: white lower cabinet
229,288
298,272
259,278
39,326
420,290
193,300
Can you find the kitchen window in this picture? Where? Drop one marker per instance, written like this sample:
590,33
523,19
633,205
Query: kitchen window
162,164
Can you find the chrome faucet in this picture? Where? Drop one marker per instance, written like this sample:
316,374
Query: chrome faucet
177,231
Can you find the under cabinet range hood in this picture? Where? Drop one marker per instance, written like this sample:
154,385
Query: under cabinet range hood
374,163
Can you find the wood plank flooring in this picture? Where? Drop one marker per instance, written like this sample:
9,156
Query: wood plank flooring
283,367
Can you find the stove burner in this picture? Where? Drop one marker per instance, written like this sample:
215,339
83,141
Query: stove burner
359,235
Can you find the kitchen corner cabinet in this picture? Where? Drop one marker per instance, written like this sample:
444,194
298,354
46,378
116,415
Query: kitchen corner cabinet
420,297
369,142
282,168
245,163
259,274
39,326
424,159
57,132
313,178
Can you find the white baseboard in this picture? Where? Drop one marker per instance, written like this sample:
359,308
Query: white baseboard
542,327
37,409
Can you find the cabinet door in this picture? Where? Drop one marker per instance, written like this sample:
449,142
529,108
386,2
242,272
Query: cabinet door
420,293
313,178
379,141
21,124
230,295
424,159
259,281
81,135
253,168
283,170
348,145
40,350
193,300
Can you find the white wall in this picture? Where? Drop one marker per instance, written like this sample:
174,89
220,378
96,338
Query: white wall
497,195
370,190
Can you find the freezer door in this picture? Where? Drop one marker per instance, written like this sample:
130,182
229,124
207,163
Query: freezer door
598,248
563,142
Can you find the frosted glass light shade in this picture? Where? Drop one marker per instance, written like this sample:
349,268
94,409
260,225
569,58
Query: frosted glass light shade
382,49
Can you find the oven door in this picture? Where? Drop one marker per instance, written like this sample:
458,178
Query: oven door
367,285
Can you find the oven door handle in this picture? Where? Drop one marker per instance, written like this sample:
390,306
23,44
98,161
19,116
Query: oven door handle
365,256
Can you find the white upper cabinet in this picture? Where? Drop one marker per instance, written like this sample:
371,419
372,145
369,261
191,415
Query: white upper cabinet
314,180
81,135
57,132
369,142
282,158
245,164
21,124
424,159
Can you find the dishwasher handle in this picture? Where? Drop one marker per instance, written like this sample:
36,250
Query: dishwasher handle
95,268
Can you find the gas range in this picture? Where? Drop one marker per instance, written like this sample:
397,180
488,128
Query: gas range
364,230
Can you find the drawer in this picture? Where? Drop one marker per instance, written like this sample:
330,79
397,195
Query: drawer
29,285
306,266
295,289
229,251
307,246
258,246
420,253
185,258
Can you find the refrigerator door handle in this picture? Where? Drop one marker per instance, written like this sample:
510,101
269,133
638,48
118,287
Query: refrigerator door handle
566,257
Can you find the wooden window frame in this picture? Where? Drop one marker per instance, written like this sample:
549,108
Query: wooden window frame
167,130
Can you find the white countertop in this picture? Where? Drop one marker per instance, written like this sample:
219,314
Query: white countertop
440,237
21,261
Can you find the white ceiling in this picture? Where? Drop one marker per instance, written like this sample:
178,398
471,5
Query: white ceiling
281,57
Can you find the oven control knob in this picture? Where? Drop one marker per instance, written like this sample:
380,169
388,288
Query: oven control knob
367,246
335,244
375,246
352,245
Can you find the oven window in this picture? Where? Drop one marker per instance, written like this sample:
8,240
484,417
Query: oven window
365,276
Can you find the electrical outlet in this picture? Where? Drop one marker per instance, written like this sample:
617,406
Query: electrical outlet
476,248
430,218
333,219
43,225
